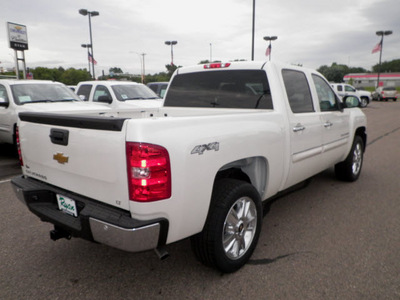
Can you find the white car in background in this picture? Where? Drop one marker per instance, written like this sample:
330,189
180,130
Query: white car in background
347,90
37,96
118,94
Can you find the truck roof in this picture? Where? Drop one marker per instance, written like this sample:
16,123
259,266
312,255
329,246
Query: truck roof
27,81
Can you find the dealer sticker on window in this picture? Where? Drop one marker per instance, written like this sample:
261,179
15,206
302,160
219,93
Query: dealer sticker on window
67,205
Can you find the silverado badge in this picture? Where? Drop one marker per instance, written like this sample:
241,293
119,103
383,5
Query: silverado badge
60,158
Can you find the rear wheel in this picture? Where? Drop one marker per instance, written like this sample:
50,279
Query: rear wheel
363,102
233,226
350,168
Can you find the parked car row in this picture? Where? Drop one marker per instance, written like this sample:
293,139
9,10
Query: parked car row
42,95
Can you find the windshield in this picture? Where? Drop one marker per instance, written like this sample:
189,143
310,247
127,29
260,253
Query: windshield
33,93
220,89
133,92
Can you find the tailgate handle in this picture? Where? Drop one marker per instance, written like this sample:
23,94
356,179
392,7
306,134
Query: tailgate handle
59,136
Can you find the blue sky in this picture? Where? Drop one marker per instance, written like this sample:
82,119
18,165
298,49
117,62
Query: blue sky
310,32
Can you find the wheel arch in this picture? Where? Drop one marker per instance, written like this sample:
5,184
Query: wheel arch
253,170
361,131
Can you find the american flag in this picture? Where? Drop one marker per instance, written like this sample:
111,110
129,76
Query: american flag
377,48
268,51
91,59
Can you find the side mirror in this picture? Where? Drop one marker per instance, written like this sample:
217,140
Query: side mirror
104,99
82,97
351,101
3,102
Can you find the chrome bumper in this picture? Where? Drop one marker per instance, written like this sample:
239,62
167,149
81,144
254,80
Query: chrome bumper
96,221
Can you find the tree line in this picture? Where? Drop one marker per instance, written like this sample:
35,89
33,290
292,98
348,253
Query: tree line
71,76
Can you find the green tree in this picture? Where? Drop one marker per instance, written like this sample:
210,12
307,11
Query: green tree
116,70
388,66
73,76
335,72
69,77
171,69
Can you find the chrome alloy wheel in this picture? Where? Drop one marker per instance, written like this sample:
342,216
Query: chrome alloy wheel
357,159
239,228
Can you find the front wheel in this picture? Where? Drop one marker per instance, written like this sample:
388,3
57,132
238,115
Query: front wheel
350,168
232,228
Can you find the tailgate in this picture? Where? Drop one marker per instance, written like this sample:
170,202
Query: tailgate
85,155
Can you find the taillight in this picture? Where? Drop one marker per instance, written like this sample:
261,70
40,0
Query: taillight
18,146
217,65
149,172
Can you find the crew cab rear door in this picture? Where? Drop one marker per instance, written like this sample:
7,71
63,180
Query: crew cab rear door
304,127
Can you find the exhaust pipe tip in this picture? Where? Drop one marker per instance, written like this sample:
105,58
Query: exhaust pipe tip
162,252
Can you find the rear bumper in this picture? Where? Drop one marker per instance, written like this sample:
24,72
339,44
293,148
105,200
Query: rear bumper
95,221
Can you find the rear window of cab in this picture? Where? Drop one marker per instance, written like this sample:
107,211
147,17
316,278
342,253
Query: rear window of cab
220,89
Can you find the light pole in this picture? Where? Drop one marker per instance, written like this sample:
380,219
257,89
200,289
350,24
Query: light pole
253,28
382,34
88,46
142,64
269,49
90,14
172,43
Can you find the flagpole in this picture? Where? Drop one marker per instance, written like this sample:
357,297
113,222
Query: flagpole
380,60
382,34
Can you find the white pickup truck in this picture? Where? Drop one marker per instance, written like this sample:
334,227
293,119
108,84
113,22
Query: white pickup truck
229,138
118,94
347,90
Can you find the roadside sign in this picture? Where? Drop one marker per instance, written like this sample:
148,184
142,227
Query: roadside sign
18,36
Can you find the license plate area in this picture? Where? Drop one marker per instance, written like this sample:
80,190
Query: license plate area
67,205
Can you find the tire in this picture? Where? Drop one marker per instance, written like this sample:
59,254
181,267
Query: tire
363,102
350,168
232,228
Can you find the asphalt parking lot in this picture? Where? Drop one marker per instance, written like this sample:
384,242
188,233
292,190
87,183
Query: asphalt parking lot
330,240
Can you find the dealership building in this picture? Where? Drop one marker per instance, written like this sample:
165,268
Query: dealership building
371,79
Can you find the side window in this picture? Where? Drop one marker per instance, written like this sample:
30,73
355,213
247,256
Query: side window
326,97
84,90
339,88
101,90
348,88
3,94
298,91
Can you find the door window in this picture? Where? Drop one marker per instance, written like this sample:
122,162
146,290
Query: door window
298,91
101,90
326,97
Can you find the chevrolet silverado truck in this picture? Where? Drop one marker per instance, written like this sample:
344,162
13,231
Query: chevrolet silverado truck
230,137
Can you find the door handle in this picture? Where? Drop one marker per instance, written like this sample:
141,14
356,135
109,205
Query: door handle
328,124
298,128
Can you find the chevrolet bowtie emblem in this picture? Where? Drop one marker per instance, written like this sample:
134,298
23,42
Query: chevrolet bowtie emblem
60,158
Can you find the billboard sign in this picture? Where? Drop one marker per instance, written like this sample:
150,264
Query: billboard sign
17,36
